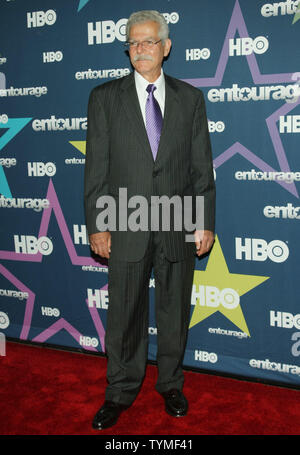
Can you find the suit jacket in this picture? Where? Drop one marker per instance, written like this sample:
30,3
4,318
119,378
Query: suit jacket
118,155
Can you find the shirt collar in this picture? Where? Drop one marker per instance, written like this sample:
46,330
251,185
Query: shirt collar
142,83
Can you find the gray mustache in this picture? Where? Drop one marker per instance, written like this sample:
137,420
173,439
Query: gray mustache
142,57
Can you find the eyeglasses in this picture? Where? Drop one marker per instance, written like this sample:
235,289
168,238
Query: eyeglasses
148,44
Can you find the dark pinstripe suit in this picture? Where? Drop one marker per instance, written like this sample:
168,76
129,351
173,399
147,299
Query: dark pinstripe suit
119,156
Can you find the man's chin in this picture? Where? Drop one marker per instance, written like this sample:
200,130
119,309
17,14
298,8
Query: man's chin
143,65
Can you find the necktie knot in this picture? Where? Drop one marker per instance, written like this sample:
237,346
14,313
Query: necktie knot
150,88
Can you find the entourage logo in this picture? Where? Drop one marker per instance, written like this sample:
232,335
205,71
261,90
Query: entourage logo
274,366
289,93
101,74
267,176
41,18
59,124
24,203
285,212
27,91
16,294
279,8
8,162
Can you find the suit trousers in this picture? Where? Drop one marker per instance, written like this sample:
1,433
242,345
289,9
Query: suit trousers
126,338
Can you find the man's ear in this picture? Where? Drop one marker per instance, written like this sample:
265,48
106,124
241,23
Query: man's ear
167,47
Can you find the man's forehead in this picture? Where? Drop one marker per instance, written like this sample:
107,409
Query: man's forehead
149,27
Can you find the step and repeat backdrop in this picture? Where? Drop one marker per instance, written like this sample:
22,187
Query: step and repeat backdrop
245,313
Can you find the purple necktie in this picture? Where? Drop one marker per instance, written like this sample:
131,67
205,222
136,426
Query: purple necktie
153,120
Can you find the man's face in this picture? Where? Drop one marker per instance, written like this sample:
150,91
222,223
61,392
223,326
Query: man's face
148,62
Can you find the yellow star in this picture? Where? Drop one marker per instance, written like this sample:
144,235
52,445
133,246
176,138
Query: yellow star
297,15
79,145
216,289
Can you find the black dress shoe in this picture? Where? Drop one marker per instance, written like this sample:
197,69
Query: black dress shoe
175,403
108,415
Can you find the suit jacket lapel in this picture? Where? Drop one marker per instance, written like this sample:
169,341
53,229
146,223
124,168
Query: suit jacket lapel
132,108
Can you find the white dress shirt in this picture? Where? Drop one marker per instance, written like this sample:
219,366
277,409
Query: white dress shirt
141,84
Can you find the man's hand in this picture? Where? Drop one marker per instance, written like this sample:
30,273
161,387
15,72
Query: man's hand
101,243
204,241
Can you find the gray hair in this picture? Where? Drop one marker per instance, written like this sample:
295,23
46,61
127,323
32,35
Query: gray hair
145,16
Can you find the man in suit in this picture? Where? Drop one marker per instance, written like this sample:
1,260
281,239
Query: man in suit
147,134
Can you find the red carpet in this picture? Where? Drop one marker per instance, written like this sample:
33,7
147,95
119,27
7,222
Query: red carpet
52,392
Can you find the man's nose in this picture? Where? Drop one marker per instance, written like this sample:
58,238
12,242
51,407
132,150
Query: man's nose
140,47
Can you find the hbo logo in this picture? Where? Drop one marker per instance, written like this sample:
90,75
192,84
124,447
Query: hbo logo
246,46
216,127
29,244
3,118
106,31
172,18
87,341
260,250
41,18
283,319
197,54
204,356
48,311
49,57
38,169
4,320
211,296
